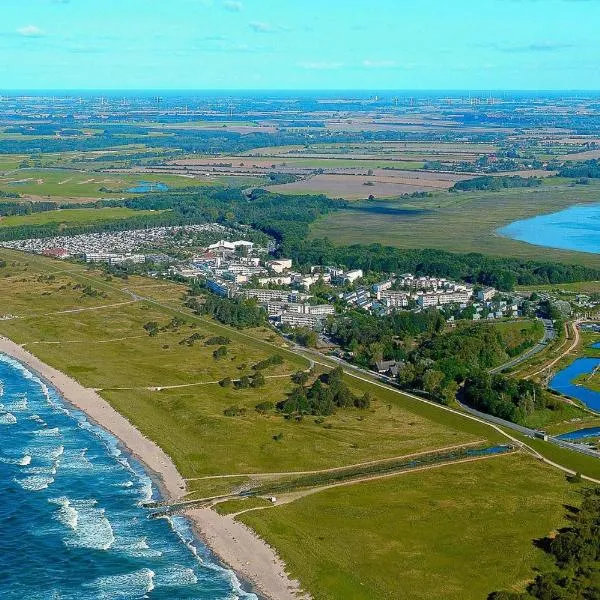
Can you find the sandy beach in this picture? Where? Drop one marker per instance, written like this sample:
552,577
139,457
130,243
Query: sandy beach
235,544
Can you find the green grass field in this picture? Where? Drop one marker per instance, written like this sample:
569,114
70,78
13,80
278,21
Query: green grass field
64,183
72,217
457,222
456,532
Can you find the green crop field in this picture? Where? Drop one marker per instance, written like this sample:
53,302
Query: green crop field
466,530
63,183
458,222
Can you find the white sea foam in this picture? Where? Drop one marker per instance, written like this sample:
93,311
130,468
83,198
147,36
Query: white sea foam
37,419
137,548
92,528
125,587
67,514
8,419
23,461
182,528
49,432
19,405
49,470
35,483
76,460
176,576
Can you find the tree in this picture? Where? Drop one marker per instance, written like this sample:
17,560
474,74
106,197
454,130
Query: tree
432,381
258,380
220,353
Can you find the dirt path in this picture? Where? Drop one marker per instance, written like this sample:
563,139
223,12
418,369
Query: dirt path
570,349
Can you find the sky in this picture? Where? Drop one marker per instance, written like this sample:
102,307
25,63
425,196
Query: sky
300,44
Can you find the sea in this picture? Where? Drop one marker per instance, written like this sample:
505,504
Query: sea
72,521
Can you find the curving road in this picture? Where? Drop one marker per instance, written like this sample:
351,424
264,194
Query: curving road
549,335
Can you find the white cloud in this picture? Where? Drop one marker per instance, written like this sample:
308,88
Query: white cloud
379,64
322,65
30,31
233,6
261,27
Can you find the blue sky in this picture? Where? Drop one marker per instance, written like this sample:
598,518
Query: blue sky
300,44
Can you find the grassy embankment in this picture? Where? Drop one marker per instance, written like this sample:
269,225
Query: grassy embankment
464,222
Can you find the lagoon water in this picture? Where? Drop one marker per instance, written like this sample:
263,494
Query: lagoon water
71,524
576,228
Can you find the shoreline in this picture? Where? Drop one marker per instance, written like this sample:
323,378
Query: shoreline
235,546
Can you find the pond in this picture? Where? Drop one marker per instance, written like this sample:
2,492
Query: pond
576,228
145,187
581,434
563,382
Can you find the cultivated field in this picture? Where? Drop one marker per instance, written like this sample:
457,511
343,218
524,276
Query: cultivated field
382,184
64,184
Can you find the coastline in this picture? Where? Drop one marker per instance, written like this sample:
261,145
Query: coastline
238,547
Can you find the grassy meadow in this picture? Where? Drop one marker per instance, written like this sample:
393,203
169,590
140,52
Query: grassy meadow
464,222
466,530
72,217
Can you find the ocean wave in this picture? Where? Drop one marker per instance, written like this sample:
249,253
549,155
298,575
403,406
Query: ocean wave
137,549
125,587
22,462
35,483
20,405
92,528
182,528
76,460
67,514
176,576
49,432
8,419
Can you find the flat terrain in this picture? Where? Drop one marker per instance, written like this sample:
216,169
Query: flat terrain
464,222
456,532
72,216
98,337
64,183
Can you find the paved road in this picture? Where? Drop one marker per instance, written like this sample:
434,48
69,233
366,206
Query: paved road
549,335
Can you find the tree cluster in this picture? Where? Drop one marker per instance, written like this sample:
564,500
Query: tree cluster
576,553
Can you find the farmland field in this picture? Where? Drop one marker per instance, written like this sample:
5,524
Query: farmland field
49,183
355,187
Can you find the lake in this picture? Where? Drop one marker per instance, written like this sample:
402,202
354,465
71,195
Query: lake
575,228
